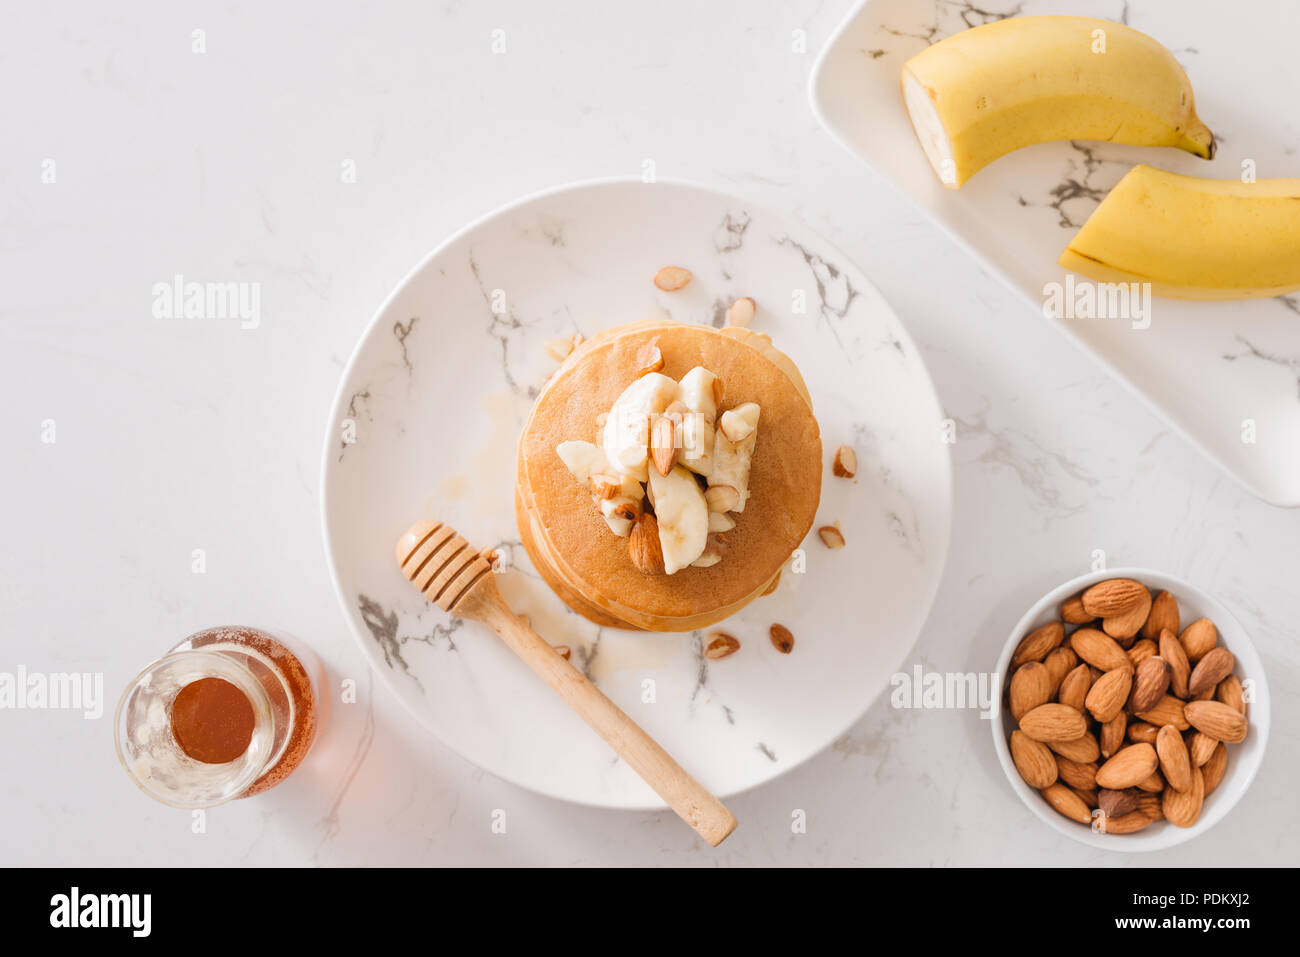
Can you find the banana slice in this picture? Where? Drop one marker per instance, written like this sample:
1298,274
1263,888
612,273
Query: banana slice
698,422
731,460
583,459
627,430
683,517
720,521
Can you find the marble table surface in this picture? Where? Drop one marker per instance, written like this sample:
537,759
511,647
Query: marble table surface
321,153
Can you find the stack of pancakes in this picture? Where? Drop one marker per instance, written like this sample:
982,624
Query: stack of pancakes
565,534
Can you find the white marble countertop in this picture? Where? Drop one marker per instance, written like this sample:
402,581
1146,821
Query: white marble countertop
175,436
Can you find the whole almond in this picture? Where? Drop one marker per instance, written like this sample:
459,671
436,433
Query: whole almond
643,545
1128,767
1099,649
1128,823
1036,645
1115,596
1059,663
1163,616
1072,611
663,445
1126,625
1200,746
1175,764
1168,710
1054,722
1074,688
1107,696
782,638
1088,797
1154,783
1111,736
1084,750
1116,803
1182,808
1141,731
1031,686
1034,760
1141,651
1180,670
1150,684
1081,777
1215,768
1214,666
1220,721
1149,804
1066,802
1231,693
1199,638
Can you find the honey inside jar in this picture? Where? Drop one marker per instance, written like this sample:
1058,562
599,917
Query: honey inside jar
212,721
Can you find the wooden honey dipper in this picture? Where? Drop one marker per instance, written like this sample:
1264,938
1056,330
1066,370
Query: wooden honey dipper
456,577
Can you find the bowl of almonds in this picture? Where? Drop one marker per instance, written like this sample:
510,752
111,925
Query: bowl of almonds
1134,710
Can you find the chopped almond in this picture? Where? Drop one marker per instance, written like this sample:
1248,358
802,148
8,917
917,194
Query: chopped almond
720,645
831,536
672,278
846,462
741,312
649,358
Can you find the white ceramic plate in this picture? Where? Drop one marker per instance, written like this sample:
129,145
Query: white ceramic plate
1207,368
1243,759
437,391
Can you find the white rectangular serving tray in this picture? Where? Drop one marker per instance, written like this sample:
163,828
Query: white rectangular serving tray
1224,374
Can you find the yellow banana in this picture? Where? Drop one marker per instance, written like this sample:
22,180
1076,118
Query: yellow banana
982,93
1193,238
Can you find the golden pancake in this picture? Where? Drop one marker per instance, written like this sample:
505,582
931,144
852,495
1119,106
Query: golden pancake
567,538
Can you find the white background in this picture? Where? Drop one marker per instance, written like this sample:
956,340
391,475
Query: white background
174,435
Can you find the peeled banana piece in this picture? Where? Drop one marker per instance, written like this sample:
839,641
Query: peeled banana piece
1193,238
984,92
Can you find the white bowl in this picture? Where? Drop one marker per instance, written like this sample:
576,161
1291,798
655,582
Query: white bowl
1243,759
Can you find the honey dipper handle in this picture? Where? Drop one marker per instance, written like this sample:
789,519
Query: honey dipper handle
692,802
